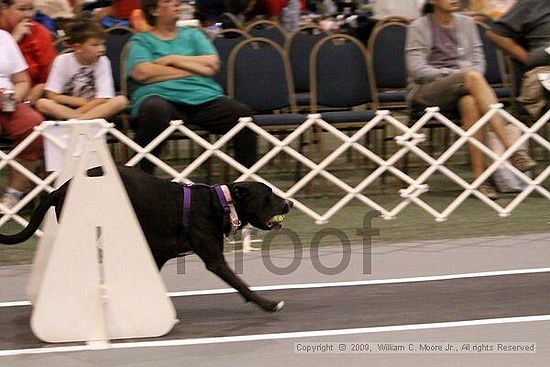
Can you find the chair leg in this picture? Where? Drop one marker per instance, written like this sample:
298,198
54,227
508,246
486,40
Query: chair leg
317,140
446,139
367,145
298,169
349,152
123,153
191,150
431,143
405,168
384,151
546,135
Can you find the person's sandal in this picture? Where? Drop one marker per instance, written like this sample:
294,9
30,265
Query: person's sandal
522,161
488,191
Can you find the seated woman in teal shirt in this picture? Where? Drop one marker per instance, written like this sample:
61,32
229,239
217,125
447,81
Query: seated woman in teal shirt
170,71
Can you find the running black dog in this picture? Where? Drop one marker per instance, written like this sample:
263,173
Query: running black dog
159,206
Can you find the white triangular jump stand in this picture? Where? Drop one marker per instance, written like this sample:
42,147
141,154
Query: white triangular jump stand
72,154
94,277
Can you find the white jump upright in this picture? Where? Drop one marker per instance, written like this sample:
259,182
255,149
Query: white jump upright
60,139
95,278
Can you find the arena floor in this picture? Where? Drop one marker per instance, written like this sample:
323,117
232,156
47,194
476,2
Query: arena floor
464,292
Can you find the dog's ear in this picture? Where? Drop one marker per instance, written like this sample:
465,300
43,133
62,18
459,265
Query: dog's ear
240,192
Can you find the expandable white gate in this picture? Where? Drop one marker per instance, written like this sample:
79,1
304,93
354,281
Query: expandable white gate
408,138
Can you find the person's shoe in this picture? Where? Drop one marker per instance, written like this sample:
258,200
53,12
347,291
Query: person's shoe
488,191
9,200
522,161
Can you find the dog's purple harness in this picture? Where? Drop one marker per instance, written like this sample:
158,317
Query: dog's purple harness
230,217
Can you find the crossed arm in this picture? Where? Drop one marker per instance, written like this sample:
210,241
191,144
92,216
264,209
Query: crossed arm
175,67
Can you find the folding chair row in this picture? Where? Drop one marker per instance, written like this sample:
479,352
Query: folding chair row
298,45
342,90
259,75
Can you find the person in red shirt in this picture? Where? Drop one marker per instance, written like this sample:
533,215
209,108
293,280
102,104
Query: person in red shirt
271,8
34,40
286,12
118,14
123,8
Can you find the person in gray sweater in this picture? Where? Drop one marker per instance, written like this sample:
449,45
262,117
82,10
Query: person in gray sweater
445,64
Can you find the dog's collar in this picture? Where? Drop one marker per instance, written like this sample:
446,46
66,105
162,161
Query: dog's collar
230,214
230,217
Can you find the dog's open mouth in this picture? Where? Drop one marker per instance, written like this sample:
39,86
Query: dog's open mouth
273,225
275,222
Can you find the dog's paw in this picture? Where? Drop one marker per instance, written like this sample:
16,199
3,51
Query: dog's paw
274,306
268,305
279,306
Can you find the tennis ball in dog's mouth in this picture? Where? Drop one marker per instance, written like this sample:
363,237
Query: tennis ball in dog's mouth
278,218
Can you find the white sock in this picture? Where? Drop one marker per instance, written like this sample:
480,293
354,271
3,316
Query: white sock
18,194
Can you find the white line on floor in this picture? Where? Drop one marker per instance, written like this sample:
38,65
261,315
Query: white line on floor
15,304
431,278
364,282
278,336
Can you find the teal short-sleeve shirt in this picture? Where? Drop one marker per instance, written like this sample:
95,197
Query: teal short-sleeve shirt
193,90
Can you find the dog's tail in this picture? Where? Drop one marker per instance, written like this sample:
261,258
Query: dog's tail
36,218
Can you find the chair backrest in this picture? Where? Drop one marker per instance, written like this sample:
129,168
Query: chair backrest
340,75
230,20
259,76
268,29
394,19
60,44
516,71
124,87
387,47
117,37
298,48
493,57
480,17
225,41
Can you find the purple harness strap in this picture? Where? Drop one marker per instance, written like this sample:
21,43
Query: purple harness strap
182,244
225,205
230,220
186,204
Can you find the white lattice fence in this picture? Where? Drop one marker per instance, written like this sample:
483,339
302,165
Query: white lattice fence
407,138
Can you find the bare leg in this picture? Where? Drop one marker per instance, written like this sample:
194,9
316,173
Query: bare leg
61,112
477,87
469,113
56,110
105,110
19,181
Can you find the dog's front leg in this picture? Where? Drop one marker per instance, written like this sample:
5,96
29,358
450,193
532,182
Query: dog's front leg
214,260
220,267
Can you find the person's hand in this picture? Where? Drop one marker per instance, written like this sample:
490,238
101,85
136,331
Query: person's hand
21,29
8,101
15,99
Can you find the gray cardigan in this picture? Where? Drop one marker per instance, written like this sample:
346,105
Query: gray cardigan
419,43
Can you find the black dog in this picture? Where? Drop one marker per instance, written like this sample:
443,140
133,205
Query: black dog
158,205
